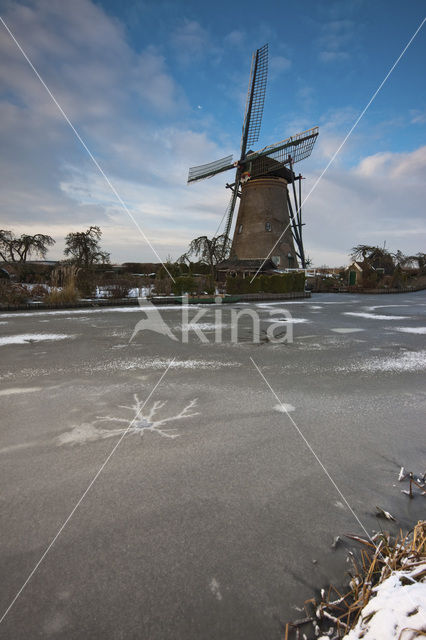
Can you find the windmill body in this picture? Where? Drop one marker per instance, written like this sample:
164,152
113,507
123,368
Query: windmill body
269,222
263,226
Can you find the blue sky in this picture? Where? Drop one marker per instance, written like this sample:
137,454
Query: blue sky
155,87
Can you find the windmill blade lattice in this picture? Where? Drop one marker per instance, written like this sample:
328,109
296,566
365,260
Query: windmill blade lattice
255,98
298,147
209,170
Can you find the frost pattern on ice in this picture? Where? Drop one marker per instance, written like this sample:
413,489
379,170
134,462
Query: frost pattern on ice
139,424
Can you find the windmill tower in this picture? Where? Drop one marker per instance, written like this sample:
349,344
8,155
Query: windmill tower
269,221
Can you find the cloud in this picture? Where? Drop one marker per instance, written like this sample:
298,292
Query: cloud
417,116
367,204
130,111
336,37
277,65
333,56
190,40
235,38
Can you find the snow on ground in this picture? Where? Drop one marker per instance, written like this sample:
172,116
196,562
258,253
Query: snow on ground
25,338
374,316
399,604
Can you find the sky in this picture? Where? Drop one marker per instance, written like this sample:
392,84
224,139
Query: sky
154,87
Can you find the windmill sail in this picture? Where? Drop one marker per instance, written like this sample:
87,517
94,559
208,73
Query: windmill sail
255,98
210,169
282,153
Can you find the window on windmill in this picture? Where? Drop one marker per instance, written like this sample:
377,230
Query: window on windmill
268,226
240,228
290,259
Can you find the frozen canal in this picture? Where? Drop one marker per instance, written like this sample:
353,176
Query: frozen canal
206,520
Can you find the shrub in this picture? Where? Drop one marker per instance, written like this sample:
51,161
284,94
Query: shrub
11,293
163,286
86,282
119,287
39,291
184,284
276,283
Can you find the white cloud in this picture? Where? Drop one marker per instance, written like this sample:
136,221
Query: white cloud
277,65
335,39
367,204
130,111
191,40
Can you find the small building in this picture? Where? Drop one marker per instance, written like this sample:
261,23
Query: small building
356,272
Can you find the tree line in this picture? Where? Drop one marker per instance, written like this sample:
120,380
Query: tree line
82,248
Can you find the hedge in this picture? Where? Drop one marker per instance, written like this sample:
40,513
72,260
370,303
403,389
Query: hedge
279,283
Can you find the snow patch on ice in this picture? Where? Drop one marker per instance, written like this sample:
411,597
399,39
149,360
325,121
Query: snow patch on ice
418,330
405,361
73,312
215,589
284,408
26,338
16,390
287,320
339,504
203,326
373,316
347,330
162,363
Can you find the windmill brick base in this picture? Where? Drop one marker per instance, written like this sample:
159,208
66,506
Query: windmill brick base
263,217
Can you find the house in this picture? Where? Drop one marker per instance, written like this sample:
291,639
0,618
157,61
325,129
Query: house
355,272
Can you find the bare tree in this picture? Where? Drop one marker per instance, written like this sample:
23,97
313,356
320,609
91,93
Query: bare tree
84,247
210,251
17,249
374,257
400,259
362,251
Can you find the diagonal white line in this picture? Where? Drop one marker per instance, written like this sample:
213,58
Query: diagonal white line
78,503
333,157
313,452
84,145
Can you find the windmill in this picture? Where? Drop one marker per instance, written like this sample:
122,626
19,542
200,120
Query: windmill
269,214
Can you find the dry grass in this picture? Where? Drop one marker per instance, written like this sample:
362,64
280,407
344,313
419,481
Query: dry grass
378,558
62,296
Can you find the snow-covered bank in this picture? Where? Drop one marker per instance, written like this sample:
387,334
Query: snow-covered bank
396,609
385,598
